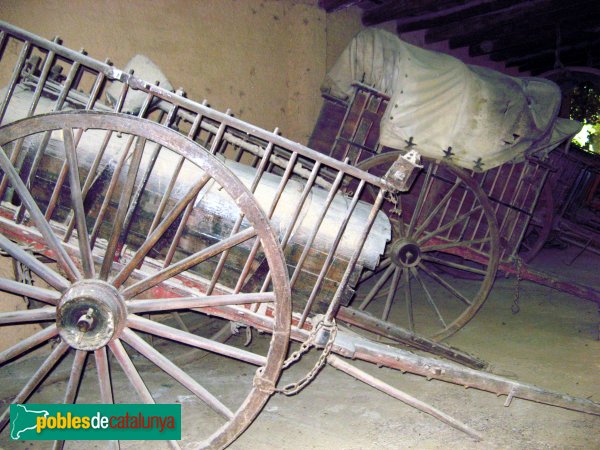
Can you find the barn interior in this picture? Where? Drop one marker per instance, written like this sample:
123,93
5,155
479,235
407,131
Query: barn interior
488,338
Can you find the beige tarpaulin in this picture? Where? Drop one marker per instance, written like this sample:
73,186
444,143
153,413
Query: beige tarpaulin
478,117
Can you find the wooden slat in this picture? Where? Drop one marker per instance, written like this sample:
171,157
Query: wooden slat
335,5
523,42
486,24
528,25
403,9
456,14
571,58
565,50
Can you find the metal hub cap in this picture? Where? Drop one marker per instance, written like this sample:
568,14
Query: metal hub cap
90,314
406,253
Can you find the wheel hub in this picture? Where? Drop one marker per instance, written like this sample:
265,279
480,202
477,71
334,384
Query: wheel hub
90,314
406,253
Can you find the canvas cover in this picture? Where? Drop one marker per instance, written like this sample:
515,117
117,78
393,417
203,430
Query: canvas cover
478,117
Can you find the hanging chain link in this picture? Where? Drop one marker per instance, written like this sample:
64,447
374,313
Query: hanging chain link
393,198
515,307
294,388
22,274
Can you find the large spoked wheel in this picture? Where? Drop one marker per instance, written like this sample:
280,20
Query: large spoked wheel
128,250
442,259
540,226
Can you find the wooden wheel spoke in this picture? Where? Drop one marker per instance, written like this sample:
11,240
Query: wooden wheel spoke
408,301
103,369
428,296
223,258
448,203
62,175
399,227
106,394
380,267
130,371
174,371
41,373
133,376
445,284
29,315
77,204
38,218
51,277
243,277
158,232
122,209
454,244
28,343
183,337
28,290
391,293
89,179
449,225
437,208
378,285
188,262
167,194
118,185
172,304
454,265
420,201
75,376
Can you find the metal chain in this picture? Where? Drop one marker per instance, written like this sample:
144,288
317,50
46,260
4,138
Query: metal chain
294,388
393,198
22,274
515,307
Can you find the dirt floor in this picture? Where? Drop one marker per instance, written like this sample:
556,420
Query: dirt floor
551,342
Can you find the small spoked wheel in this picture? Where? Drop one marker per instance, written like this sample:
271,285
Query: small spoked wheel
442,259
540,226
130,229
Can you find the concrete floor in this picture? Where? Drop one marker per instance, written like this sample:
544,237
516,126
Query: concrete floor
552,342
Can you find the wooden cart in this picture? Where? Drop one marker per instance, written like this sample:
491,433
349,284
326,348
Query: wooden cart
146,224
462,224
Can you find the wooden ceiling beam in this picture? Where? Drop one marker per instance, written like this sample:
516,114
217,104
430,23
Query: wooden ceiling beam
584,46
397,9
571,61
484,22
456,14
528,24
538,37
334,5
520,32
580,57
541,42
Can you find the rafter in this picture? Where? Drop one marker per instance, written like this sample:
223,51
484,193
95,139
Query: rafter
522,33
563,50
545,43
527,30
456,13
406,9
523,42
335,5
567,60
